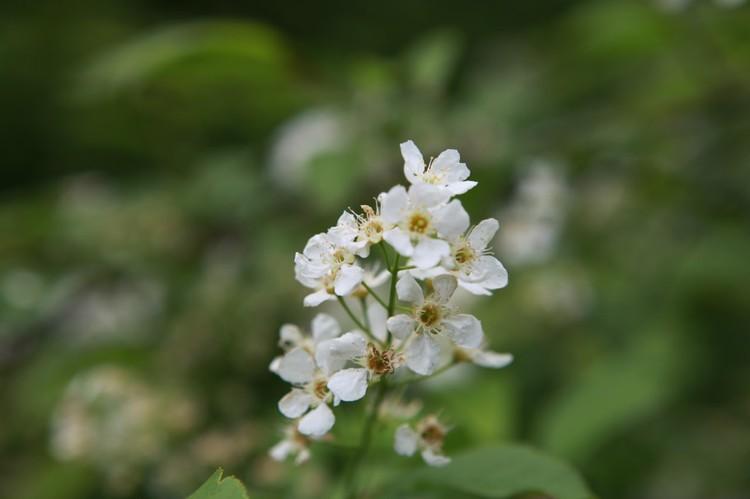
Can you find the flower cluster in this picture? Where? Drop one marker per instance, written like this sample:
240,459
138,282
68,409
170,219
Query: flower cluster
429,249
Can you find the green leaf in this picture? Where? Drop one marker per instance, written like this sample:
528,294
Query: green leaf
587,414
504,471
217,487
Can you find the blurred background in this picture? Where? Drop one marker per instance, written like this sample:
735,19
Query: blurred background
161,162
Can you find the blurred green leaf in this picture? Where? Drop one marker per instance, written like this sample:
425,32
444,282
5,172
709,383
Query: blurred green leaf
432,60
611,395
506,471
217,487
200,42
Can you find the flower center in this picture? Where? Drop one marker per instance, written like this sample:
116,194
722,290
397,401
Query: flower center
429,315
373,230
433,434
419,223
320,389
464,254
340,256
379,362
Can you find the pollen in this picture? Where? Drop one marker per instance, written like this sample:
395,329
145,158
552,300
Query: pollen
419,223
429,315
378,362
373,230
320,389
464,254
432,433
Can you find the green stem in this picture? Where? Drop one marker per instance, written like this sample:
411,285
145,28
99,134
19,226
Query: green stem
392,296
374,295
350,480
365,316
384,250
356,321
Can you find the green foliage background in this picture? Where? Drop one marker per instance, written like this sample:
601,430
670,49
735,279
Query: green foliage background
162,162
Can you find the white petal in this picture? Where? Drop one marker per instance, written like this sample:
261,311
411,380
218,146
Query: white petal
429,252
295,403
457,188
274,365
317,422
289,336
349,384
296,366
446,162
451,220
413,161
378,316
344,231
281,450
482,234
401,326
405,441
491,273
376,280
393,204
408,290
427,273
317,247
302,456
474,288
332,355
318,297
427,195
443,287
464,329
434,459
399,239
324,327
347,278
487,358
422,354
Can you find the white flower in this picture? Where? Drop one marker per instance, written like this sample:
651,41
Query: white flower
310,396
350,384
420,217
345,234
370,228
293,444
469,260
328,267
427,438
430,316
445,171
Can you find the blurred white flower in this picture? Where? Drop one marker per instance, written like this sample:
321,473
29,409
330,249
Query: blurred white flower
293,444
300,140
117,423
533,221
427,438
299,366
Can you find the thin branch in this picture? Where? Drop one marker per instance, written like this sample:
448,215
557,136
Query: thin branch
356,321
375,295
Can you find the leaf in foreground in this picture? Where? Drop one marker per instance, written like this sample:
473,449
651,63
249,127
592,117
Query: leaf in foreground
217,487
505,471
